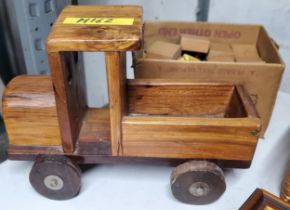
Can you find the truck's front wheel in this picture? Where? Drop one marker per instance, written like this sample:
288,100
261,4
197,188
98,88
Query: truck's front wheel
55,177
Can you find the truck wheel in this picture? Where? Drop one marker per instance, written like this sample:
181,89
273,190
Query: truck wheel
197,182
55,177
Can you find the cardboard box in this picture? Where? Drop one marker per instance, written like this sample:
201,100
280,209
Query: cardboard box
194,43
261,79
163,50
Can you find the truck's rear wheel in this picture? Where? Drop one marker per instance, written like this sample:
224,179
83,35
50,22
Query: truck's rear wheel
197,182
55,177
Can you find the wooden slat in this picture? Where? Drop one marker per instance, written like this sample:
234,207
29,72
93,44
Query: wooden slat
68,86
68,37
191,150
184,137
170,97
116,71
29,112
92,156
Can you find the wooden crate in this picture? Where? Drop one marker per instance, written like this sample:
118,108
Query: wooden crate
285,189
263,200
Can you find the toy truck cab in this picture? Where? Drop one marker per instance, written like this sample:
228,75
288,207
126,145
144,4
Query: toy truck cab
209,125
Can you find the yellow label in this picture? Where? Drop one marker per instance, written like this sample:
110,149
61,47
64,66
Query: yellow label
98,21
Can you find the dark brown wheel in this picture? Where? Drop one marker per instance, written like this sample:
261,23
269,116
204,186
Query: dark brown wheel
197,182
55,177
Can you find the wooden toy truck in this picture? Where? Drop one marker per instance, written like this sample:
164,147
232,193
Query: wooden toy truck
198,127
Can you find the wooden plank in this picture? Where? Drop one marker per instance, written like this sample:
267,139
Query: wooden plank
68,86
190,151
83,37
183,137
29,112
83,156
116,72
170,97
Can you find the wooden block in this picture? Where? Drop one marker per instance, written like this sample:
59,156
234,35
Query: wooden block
163,50
220,52
95,37
221,47
194,43
245,52
220,56
29,112
94,136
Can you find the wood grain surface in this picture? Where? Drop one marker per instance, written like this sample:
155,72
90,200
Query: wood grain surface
96,126
84,156
167,97
68,37
183,137
68,84
29,112
116,73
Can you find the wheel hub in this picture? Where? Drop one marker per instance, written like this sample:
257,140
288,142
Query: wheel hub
53,182
199,189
